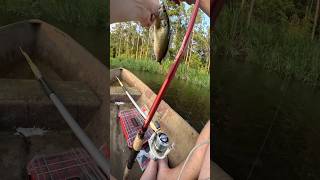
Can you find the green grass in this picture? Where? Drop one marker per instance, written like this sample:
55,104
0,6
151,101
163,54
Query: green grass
285,48
196,76
76,12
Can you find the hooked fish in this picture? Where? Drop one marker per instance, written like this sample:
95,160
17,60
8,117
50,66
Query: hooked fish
161,34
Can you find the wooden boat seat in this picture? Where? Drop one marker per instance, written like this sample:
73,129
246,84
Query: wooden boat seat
24,103
117,94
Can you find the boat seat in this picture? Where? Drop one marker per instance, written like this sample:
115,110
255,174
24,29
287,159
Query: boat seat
117,94
23,103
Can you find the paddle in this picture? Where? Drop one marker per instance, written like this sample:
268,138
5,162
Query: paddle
138,141
80,134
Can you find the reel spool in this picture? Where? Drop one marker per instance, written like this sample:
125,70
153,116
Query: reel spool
159,145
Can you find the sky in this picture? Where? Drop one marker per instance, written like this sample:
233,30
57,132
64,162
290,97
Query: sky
206,19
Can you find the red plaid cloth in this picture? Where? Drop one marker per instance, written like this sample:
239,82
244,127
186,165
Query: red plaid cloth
131,122
74,164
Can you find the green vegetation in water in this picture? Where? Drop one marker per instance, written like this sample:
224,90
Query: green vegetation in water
76,12
282,36
196,76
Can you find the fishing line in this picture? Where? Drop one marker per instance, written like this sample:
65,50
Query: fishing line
189,155
254,164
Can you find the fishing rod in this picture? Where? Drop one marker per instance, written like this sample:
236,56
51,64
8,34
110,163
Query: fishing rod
138,141
131,99
159,141
83,138
155,126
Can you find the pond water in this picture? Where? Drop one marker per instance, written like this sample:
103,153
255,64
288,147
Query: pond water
190,101
253,107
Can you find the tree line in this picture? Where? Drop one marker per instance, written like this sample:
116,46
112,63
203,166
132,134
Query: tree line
282,36
308,10
131,41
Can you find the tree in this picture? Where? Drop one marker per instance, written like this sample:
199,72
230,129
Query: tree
242,4
315,22
134,42
250,12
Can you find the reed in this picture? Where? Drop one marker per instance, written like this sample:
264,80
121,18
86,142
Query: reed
285,47
195,76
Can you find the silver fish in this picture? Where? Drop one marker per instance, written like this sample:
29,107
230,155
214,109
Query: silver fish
161,34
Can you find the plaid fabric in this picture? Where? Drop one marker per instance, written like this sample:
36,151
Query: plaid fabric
131,122
73,164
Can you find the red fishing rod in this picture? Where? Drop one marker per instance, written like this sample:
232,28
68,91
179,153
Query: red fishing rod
138,141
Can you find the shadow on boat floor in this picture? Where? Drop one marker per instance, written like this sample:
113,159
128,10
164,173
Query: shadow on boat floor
16,151
119,149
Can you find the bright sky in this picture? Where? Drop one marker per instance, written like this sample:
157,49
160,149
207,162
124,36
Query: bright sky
205,18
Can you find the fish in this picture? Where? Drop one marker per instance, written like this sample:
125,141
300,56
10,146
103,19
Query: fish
161,34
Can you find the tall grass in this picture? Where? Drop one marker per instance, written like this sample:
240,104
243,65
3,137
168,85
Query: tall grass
77,12
196,76
285,48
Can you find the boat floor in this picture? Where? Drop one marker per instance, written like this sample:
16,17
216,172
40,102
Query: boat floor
119,149
16,151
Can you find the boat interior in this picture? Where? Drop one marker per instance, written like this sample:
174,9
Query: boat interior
171,122
77,78
82,83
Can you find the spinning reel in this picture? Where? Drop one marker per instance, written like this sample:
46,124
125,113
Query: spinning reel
159,143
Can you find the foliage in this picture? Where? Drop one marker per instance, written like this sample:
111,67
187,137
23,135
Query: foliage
278,37
77,12
131,41
195,76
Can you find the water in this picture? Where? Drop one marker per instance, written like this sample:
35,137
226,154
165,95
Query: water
247,102
190,101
